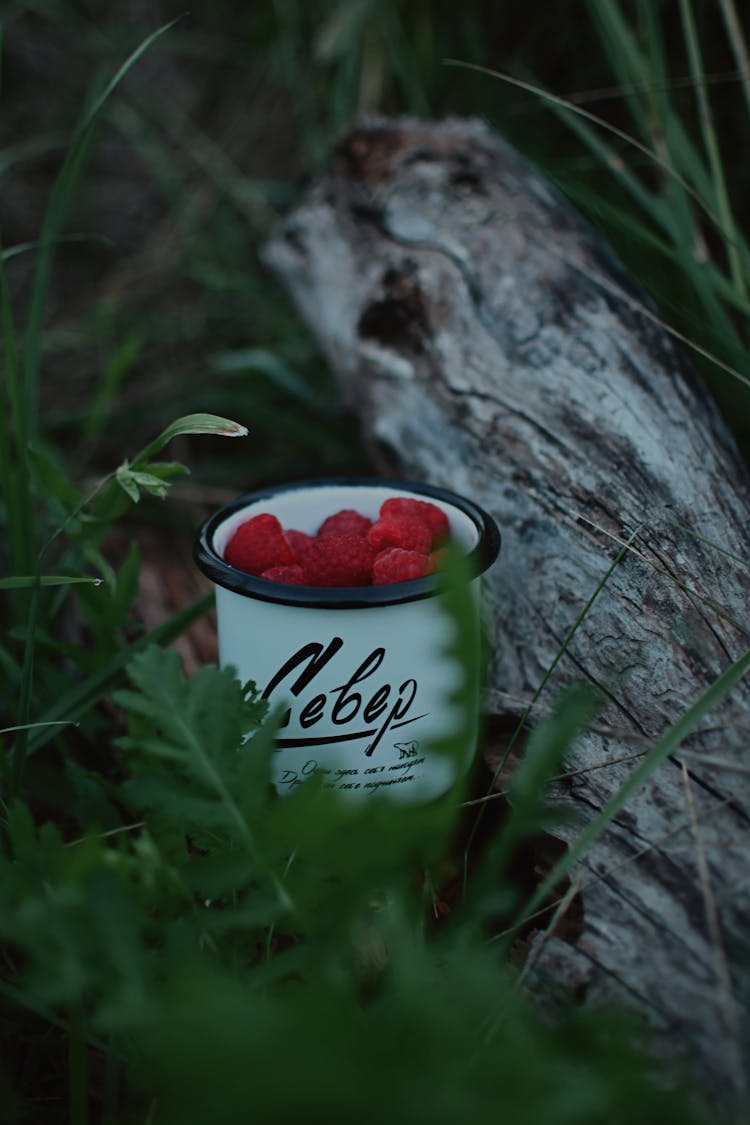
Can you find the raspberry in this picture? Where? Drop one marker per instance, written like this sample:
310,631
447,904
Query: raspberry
258,544
348,550
398,565
297,541
402,531
338,560
399,507
292,574
345,522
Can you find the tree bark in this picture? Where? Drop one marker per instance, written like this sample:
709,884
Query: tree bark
490,342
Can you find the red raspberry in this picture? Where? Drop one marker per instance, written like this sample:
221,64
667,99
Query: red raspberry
292,574
345,522
338,560
297,541
397,565
258,544
402,531
435,518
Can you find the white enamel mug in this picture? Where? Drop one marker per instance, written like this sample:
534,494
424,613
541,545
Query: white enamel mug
362,672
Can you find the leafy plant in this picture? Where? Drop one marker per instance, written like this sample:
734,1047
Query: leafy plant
83,527
176,943
226,949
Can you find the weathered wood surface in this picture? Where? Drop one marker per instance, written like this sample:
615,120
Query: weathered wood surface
490,343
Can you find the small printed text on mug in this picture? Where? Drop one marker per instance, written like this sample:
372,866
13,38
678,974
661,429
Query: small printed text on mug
375,777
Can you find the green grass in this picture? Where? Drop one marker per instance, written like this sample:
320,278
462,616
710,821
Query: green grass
667,193
282,958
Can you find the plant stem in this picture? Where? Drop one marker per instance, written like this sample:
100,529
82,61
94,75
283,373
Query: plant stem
60,199
738,45
78,1102
659,752
20,748
558,656
14,477
723,207
84,695
112,1071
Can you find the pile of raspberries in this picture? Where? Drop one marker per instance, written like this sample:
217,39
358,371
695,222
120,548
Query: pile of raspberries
348,549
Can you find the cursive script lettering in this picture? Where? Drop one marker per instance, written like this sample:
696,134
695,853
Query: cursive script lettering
404,700
371,709
317,657
352,700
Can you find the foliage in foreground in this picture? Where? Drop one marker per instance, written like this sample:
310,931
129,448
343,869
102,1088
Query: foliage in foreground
178,946
232,956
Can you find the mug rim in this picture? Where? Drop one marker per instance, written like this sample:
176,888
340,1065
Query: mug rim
223,574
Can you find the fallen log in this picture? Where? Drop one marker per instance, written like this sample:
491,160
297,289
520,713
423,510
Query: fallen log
490,342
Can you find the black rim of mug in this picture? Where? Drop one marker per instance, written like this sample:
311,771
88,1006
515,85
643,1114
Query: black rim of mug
480,558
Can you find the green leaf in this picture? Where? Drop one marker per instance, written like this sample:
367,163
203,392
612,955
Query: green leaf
150,483
546,748
21,830
489,892
155,483
192,424
268,364
168,470
187,747
200,724
90,804
50,478
126,479
126,584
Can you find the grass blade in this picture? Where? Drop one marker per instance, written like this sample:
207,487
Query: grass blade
617,291
711,144
14,466
623,53
129,63
726,1000
545,679
65,239
665,746
31,726
56,209
26,581
563,103
78,1067
673,214
84,695
738,44
709,543
20,748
